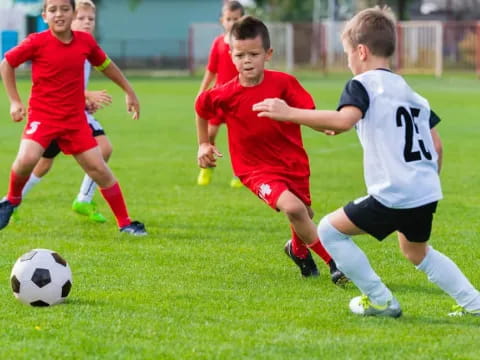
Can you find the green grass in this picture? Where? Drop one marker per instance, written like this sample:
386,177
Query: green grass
211,280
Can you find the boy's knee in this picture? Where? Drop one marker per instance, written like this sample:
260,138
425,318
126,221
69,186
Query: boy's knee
294,210
328,234
415,253
323,228
26,162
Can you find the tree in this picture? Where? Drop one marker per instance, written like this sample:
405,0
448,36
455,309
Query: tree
286,10
133,4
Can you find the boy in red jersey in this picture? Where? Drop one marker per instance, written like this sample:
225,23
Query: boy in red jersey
221,69
267,156
56,107
85,20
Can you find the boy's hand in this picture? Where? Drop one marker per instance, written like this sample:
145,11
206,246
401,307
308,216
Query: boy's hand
91,107
99,97
133,106
17,111
330,132
207,155
276,109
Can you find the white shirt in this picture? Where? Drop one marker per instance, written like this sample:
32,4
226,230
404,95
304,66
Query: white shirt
400,161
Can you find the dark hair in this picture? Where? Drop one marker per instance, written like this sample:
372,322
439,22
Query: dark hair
249,27
233,5
72,2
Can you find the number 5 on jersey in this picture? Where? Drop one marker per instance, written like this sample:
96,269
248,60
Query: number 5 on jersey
32,127
404,117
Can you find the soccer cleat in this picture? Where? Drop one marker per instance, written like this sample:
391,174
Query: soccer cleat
361,305
6,211
307,266
338,277
458,311
235,183
135,228
88,209
205,176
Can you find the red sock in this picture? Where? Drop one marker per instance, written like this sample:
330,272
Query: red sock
15,187
318,248
299,248
114,197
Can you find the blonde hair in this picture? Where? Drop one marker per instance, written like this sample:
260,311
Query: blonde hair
374,28
85,4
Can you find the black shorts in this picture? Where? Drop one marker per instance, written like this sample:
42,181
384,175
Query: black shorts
380,221
53,149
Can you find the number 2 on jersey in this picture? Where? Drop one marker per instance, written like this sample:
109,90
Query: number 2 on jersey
404,117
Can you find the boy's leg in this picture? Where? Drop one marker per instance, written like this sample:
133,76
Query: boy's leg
28,155
299,217
443,272
42,167
83,203
334,230
305,234
93,164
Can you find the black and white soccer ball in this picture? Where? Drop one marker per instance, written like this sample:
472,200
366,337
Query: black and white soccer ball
41,277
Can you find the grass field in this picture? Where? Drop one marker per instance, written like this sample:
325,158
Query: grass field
211,280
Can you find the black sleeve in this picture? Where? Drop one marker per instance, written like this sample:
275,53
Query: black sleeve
355,94
434,119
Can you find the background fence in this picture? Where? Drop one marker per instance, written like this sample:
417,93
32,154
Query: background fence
423,46
430,47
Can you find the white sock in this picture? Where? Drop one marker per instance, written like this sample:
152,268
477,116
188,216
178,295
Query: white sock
87,189
32,181
445,273
353,262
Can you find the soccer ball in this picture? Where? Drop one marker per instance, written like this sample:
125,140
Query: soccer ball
41,277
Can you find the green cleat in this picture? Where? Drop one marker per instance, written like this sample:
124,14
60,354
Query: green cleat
361,305
458,311
88,209
236,183
205,176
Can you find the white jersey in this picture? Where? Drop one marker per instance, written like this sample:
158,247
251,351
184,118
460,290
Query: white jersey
94,124
400,161
87,69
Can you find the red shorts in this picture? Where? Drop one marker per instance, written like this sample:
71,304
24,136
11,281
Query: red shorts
269,187
70,141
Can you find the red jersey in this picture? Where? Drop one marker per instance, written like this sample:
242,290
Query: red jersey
220,61
58,89
259,144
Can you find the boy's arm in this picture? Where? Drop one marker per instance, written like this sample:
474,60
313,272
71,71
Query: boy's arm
437,143
207,80
113,73
207,153
320,120
17,109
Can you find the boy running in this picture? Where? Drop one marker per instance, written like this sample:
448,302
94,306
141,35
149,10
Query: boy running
402,157
83,204
221,69
57,107
267,156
